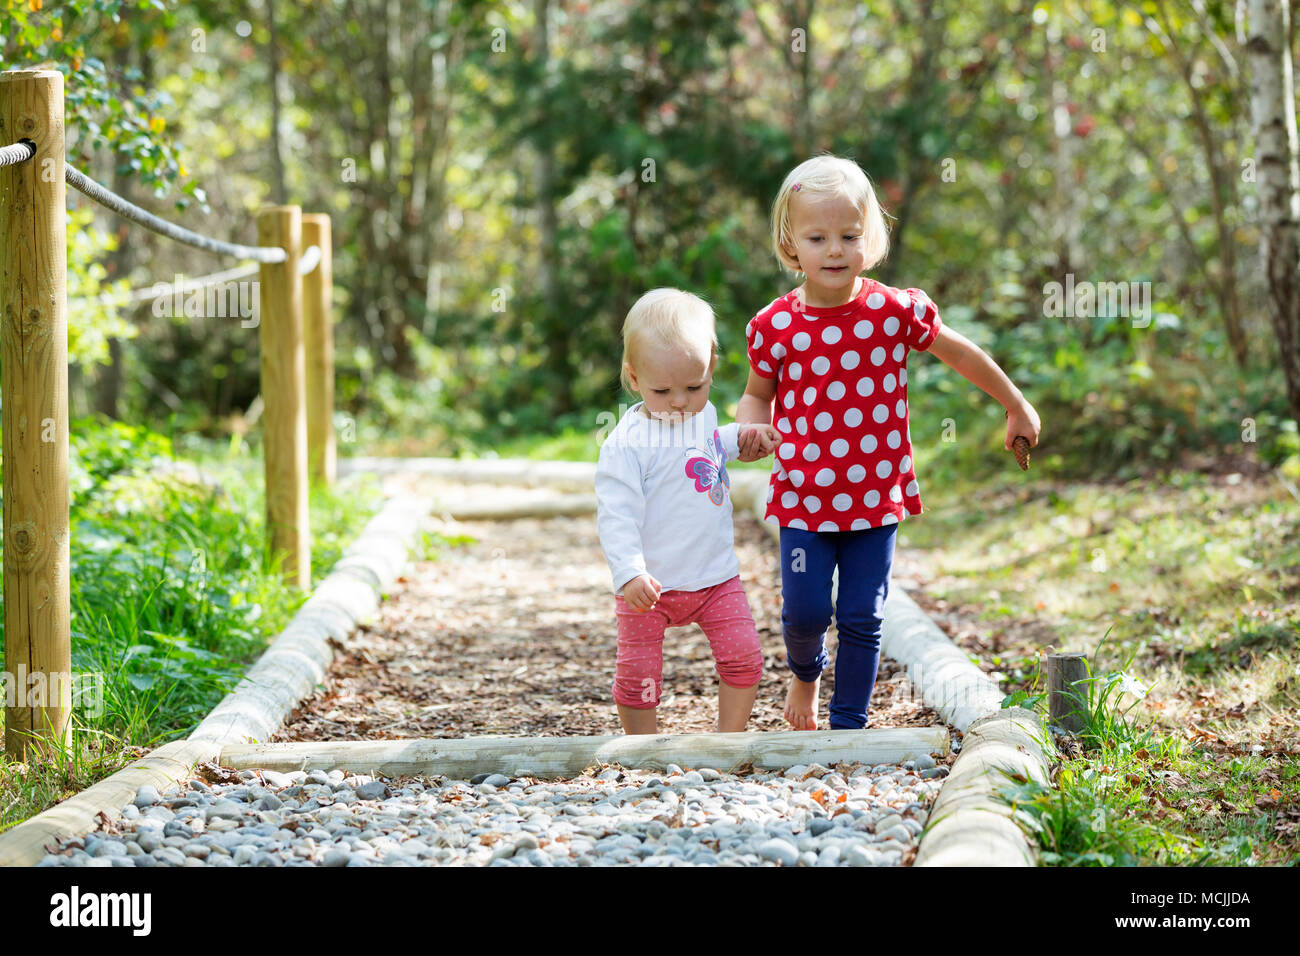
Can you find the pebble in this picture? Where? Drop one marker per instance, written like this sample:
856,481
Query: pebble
621,817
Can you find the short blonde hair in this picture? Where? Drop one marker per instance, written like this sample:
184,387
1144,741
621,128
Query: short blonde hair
828,175
666,317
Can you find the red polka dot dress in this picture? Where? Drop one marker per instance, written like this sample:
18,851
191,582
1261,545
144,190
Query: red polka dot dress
845,460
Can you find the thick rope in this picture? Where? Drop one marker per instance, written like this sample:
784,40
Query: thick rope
19,152
111,200
310,258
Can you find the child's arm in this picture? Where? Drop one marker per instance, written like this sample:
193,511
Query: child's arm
755,406
973,363
620,511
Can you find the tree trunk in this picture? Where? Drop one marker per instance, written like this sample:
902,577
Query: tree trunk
278,189
1272,99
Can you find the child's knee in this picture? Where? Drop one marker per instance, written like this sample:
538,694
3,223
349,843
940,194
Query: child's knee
742,670
639,693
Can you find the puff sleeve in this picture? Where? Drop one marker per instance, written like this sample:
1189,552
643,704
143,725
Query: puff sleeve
921,322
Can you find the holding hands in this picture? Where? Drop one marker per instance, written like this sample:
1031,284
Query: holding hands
758,441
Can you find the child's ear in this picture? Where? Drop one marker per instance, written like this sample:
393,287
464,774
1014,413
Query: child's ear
792,261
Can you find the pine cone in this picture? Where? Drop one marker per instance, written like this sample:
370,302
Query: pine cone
1020,445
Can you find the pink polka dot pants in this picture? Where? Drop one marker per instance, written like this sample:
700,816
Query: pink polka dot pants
722,612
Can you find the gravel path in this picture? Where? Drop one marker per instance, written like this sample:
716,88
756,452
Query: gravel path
512,632
806,816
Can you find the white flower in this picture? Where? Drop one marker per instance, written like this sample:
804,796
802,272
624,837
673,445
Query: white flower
1131,685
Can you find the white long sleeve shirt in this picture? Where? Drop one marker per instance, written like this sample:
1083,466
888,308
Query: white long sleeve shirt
663,500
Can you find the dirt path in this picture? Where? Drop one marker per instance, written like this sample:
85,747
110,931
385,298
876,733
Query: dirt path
515,634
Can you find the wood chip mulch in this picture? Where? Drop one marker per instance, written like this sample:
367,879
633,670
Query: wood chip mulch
515,634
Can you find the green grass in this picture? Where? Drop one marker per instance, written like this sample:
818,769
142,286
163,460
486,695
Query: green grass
174,595
1183,590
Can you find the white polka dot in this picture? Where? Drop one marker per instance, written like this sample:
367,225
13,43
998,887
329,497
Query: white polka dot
878,355
839,448
788,401
764,366
871,498
895,493
777,350
783,424
809,395
828,526
801,341
900,408
890,325
796,371
899,351
866,386
904,300
884,468
780,320
801,425
850,359
749,327
918,309
868,443
902,376
821,365
787,450
913,489
905,464
859,524
889,519
798,523
789,499
812,504
853,417
811,452
758,340
892,439
835,391
875,300
880,413
823,421
888,382
842,502
830,335
773,519
856,473
863,329
825,477
796,477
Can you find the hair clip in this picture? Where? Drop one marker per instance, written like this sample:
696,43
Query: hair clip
795,188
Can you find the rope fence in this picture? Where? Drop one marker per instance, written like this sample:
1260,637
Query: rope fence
295,339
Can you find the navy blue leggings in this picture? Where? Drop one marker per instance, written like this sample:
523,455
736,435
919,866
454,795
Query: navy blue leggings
808,559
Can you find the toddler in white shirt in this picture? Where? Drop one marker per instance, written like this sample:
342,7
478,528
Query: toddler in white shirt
664,512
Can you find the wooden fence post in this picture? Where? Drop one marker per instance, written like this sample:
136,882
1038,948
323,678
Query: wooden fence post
1066,702
318,338
284,429
34,371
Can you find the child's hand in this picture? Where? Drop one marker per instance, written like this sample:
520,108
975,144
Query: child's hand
1022,419
641,592
758,441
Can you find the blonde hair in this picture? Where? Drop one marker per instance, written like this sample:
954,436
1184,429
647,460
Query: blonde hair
666,317
828,175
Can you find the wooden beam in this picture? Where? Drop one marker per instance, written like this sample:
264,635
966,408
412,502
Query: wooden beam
555,757
34,376
1067,700
284,423
318,343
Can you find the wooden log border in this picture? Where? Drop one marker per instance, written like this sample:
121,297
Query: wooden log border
562,757
285,673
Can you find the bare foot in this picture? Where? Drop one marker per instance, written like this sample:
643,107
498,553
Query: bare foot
801,704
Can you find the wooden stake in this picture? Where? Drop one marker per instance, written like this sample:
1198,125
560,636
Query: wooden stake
552,757
1067,700
34,371
284,428
318,338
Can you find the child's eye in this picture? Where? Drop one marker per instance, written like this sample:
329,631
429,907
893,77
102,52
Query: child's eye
696,388
660,391
852,238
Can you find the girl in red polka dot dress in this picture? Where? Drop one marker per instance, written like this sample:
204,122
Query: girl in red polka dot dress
829,360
